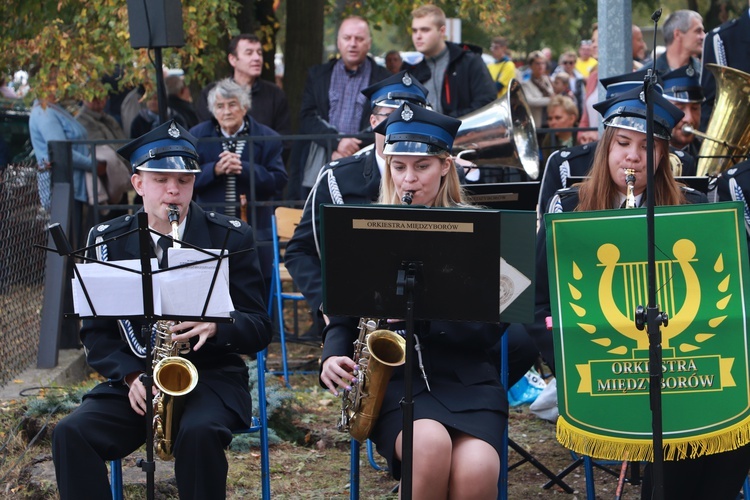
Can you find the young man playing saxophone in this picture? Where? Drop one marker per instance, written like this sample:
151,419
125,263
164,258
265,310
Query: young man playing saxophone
110,422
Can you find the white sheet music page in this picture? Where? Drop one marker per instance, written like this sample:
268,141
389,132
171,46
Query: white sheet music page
184,291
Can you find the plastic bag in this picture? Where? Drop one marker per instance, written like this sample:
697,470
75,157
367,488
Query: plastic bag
527,389
545,406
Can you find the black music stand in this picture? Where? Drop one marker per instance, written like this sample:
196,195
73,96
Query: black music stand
504,195
424,263
64,249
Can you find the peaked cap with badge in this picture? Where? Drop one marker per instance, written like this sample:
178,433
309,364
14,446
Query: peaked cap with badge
396,90
167,148
412,130
683,85
628,111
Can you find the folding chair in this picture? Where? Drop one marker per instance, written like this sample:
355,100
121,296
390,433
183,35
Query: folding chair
257,425
502,484
283,223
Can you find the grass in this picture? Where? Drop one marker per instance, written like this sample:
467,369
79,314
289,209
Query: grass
309,458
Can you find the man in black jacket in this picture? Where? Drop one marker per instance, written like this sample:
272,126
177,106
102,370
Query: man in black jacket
110,423
455,75
332,103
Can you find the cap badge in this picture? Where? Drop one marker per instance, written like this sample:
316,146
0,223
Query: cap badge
407,114
406,80
173,131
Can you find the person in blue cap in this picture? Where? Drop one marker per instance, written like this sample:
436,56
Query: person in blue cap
460,407
576,161
623,146
682,88
351,180
110,422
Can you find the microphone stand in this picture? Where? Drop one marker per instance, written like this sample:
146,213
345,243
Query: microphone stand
652,317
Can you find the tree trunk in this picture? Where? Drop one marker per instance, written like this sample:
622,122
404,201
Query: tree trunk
304,48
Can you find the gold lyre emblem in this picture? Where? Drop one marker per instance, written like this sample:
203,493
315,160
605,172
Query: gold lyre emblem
618,306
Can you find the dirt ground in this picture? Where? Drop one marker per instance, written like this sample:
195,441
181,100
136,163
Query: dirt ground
314,464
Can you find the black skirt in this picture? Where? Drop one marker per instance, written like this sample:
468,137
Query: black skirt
487,425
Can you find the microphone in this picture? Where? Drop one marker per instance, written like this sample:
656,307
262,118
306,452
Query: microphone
656,15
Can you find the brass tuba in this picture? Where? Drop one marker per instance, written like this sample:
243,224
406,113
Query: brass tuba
174,375
376,353
727,138
501,133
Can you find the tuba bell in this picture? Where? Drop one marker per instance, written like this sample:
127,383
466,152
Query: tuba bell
727,138
501,133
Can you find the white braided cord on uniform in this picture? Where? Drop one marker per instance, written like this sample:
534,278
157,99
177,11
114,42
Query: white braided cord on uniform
721,55
555,206
564,173
736,192
126,327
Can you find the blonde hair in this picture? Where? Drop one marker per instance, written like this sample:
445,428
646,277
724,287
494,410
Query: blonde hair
430,10
598,190
564,102
450,193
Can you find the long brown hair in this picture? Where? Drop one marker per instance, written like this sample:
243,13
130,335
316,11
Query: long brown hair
450,193
598,190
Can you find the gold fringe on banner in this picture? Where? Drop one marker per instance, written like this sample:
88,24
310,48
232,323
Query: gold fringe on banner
640,450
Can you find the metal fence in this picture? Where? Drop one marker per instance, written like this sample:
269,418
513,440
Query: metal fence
22,225
25,295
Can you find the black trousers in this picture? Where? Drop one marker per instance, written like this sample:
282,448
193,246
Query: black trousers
714,477
105,428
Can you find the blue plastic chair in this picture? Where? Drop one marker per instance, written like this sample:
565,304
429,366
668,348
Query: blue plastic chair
257,425
287,219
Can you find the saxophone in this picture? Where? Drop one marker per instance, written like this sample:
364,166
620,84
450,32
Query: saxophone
376,352
630,181
174,375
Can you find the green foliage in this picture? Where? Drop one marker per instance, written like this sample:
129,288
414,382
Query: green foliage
68,46
278,409
56,400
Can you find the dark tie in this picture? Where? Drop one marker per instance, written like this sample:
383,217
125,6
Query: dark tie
164,243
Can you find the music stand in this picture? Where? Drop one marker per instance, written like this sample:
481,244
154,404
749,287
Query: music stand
426,263
63,248
504,195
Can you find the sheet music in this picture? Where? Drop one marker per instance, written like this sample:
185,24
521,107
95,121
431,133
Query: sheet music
512,283
184,291
114,292
178,292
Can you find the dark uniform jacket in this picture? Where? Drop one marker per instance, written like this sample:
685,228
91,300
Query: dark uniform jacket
734,185
357,179
467,84
218,361
538,330
727,45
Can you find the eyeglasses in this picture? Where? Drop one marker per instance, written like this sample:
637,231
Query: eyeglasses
568,62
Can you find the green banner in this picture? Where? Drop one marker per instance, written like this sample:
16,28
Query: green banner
598,275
